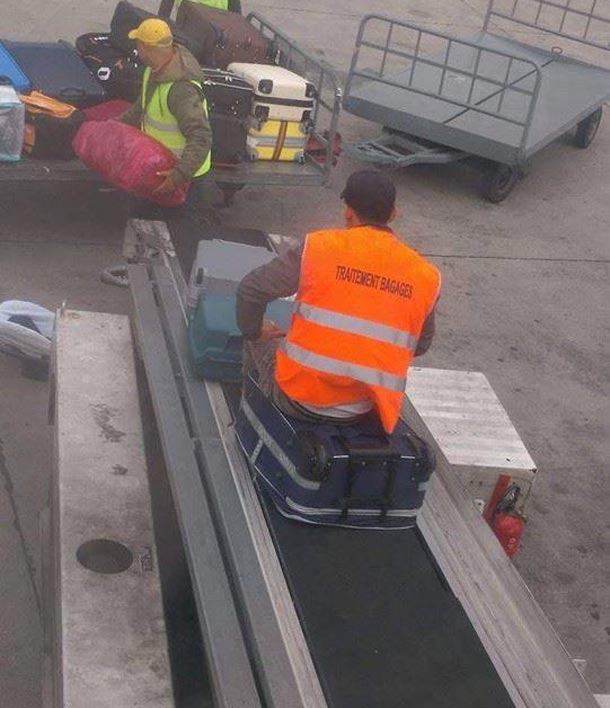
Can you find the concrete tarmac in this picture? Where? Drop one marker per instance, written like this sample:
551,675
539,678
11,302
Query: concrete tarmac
526,301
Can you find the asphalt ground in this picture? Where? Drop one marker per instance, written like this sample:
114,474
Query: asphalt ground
525,300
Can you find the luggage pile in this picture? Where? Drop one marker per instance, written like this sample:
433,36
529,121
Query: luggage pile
52,84
258,110
282,111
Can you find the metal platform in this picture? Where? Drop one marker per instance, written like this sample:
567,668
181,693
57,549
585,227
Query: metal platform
488,95
30,170
286,174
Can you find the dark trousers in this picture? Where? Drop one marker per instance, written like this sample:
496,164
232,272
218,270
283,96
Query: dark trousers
260,357
188,223
198,202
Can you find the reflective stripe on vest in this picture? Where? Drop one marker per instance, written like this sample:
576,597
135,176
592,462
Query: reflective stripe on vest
347,323
159,123
330,365
362,301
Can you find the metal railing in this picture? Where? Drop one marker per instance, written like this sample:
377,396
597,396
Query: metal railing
325,117
510,75
562,18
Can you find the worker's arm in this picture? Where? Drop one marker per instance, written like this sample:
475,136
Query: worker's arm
278,278
427,334
184,101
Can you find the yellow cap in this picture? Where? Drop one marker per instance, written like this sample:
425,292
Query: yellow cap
154,32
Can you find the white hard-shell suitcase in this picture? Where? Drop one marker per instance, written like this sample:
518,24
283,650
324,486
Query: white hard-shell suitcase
279,94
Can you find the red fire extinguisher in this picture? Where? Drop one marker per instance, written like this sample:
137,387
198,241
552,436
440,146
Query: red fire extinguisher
507,523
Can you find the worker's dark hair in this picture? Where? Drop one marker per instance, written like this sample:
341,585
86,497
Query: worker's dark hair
371,194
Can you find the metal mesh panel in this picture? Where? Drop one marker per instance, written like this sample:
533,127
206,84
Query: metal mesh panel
585,21
328,94
461,73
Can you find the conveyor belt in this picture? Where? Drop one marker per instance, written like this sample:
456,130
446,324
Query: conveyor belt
347,618
383,627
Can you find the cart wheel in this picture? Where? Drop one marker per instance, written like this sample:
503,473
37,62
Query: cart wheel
498,182
587,129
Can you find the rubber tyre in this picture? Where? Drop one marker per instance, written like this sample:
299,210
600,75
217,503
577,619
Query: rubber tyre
587,129
115,275
498,182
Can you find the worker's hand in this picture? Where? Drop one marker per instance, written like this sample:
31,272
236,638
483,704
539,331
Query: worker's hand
170,184
269,331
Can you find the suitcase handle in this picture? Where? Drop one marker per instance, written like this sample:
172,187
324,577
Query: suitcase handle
75,92
366,451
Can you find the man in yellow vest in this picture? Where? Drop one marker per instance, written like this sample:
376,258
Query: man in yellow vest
364,308
172,109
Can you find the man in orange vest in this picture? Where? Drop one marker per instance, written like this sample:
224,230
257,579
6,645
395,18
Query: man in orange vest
364,308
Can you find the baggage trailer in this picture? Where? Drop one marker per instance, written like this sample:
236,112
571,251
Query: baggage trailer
435,615
231,179
490,99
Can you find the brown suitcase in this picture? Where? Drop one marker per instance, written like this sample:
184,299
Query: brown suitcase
236,38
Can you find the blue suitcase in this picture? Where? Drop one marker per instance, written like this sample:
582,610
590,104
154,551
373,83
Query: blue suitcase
11,71
215,342
354,476
56,69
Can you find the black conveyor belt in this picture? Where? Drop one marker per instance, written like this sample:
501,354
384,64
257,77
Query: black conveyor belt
384,629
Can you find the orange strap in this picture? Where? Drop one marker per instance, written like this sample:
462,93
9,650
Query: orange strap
37,102
281,139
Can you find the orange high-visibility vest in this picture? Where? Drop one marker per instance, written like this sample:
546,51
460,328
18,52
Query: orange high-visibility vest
362,301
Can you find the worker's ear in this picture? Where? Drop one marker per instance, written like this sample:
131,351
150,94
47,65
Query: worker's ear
393,215
350,216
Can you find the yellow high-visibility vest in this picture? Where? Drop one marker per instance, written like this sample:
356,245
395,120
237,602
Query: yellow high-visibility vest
159,122
217,4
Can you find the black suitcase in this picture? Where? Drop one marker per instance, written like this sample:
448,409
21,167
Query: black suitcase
56,69
120,74
127,17
229,138
49,137
227,93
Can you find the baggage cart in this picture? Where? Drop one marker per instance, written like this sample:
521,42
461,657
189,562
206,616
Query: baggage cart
489,99
230,179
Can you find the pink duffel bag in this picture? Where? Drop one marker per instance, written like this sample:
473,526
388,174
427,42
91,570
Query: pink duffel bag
126,158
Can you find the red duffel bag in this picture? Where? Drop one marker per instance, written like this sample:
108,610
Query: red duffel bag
126,158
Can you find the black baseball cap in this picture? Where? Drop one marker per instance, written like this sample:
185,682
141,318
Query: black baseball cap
371,194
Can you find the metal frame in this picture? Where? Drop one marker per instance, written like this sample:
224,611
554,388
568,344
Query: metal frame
566,10
232,678
399,150
322,76
416,58
276,645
